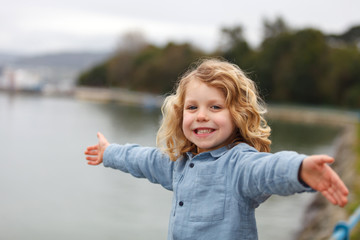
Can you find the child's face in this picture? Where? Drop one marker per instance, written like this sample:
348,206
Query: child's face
207,121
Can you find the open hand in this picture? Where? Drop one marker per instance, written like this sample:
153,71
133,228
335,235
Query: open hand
318,175
96,152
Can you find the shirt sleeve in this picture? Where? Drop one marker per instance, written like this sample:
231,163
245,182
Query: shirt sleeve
141,162
263,174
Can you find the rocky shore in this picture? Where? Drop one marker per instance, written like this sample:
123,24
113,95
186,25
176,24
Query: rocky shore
321,216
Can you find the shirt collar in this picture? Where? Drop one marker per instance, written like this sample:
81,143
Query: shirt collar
219,152
214,153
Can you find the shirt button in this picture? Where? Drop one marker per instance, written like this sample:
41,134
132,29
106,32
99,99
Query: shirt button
181,203
191,165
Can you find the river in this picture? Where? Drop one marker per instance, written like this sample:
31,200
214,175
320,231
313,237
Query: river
49,192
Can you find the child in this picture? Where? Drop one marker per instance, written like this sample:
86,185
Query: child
215,157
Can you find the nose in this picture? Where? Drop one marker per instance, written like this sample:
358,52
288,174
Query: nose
202,116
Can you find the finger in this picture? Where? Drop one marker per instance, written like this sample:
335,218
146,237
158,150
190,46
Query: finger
92,152
94,147
326,159
335,196
100,135
92,158
342,192
336,191
340,198
343,202
94,163
329,197
340,185
335,187
102,139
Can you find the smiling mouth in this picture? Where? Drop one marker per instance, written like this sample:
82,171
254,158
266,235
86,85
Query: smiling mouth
204,131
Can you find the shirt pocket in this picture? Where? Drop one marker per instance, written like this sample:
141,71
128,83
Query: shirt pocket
208,201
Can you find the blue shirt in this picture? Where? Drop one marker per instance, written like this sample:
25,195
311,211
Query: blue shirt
216,192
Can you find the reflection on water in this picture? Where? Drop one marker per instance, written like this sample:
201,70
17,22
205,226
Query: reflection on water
48,191
304,138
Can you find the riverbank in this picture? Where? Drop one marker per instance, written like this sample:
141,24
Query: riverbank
118,95
321,216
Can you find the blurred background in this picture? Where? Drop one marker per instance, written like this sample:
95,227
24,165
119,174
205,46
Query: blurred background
123,56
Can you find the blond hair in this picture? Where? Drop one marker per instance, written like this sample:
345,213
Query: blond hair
242,100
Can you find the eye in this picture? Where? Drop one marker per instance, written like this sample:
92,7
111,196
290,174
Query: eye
191,107
216,107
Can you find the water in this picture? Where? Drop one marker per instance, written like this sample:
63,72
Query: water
280,217
49,192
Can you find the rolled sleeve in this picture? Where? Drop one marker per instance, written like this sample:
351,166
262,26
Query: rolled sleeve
141,162
295,185
264,174
112,157
282,172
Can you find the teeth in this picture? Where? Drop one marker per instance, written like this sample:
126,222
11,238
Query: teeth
203,131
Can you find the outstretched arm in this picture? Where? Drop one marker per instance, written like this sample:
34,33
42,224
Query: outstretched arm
316,173
141,162
96,152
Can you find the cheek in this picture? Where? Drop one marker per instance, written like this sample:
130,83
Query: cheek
227,123
186,122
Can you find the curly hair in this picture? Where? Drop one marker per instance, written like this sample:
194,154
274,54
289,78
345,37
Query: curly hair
241,98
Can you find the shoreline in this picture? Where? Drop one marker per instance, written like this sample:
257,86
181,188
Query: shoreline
118,95
292,113
320,216
287,112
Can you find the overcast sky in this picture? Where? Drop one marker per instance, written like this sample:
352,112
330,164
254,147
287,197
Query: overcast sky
41,26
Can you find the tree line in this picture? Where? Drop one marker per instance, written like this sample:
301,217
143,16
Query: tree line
302,66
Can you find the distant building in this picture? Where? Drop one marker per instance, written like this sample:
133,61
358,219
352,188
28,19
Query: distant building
18,79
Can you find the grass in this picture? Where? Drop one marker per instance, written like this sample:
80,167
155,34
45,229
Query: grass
355,201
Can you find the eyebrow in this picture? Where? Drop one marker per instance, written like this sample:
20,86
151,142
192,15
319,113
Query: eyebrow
214,100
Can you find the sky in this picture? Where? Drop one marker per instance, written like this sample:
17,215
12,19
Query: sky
49,26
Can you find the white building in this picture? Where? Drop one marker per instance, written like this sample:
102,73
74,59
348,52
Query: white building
20,79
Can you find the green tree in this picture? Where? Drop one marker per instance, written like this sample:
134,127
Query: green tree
342,86
349,37
290,65
149,69
302,66
121,66
162,67
309,53
94,77
235,48
275,28
273,67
